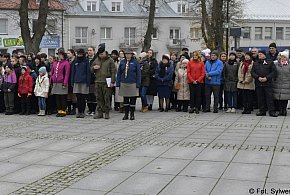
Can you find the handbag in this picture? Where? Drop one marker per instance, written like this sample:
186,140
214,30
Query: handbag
177,86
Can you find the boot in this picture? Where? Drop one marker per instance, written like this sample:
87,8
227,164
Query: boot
273,114
40,113
142,109
132,110
122,110
73,111
150,107
58,114
69,103
145,109
107,116
99,115
126,116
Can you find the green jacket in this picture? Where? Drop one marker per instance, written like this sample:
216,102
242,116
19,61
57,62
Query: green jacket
107,70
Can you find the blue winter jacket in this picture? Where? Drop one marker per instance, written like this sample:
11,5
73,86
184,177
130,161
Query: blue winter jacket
214,70
133,74
167,79
81,72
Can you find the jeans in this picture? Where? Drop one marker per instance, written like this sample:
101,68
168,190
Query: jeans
232,98
41,103
209,89
143,91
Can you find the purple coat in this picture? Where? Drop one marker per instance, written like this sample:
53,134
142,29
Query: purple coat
62,74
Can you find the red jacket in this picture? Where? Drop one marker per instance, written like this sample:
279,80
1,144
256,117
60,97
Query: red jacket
195,71
25,84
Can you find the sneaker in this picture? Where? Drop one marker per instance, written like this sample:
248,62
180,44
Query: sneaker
92,113
89,113
229,110
233,110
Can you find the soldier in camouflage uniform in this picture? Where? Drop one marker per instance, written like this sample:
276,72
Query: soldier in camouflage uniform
103,67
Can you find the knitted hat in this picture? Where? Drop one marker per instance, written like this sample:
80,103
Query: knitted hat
24,68
42,70
263,52
101,48
166,56
284,53
215,52
273,45
233,53
115,52
81,52
185,61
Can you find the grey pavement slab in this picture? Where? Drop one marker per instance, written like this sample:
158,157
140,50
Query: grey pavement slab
11,152
33,144
259,157
149,151
189,185
91,147
143,183
248,172
129,163
6,187
61,145
281,158
8,142
32,157
69,191
8,167
216,155
236,187
205,169
279,174
29,174
165,166
102,180
182,152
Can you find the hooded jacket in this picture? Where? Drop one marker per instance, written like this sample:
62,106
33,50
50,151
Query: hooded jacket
41,86
214,70
25,83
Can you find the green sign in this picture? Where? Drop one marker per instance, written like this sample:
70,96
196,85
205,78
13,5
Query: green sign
0,41
11,42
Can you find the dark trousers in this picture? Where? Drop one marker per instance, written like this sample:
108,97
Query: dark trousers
209,89
17,103
25,103
248,96
9,101
92,102
282,104
81,102
240,99
173,99
2,104
203,98
130,102
195,95
60,102
183,104
222,98
104,97
265,99
51,104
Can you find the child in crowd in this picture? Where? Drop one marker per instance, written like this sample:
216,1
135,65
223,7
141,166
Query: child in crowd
41,90
25,89
9,84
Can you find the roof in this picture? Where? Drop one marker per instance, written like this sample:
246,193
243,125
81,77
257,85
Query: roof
15,4
266,10
131,8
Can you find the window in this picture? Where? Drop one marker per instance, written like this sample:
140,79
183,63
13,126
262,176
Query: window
116,6
91,6
106,33
181,8
258,33
3,26
81,35
268,33
195,33
174,35
155,33
130,34
279,33
247,33
287,33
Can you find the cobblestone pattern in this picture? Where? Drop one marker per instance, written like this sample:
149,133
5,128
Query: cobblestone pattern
67,176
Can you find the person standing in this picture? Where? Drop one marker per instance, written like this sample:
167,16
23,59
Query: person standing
182,87
173,95
213,77
230,75
105,71
246,83
9,88
222,97
41,90
195,75
2,104
273,52
152,89
71,97
129,81
264,71
59,79
163,74
25,90
281,84
80,80
91,98
145,80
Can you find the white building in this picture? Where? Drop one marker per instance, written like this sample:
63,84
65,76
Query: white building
10,33
123,23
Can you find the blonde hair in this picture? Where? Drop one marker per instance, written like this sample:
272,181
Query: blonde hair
198,54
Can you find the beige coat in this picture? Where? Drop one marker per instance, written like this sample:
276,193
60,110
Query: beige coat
181,77
41,86
250,85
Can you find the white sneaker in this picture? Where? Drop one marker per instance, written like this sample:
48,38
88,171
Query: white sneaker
233,110
228,110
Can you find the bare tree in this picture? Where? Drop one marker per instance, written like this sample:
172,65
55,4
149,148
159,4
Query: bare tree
149,32
31,43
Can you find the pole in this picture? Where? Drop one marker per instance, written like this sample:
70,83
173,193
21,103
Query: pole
62,33
228,26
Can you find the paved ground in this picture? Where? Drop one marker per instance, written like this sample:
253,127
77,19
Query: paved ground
159,153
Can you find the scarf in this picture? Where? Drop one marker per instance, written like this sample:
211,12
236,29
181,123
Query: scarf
246,64
127,68
231,62
283,63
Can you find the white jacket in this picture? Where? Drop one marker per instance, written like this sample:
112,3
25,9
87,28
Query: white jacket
41,86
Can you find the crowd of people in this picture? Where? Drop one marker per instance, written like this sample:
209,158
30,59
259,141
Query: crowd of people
94,80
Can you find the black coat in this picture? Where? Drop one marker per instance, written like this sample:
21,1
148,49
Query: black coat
152,89
264,68
145,73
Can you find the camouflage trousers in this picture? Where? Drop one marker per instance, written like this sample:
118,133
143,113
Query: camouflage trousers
104,97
